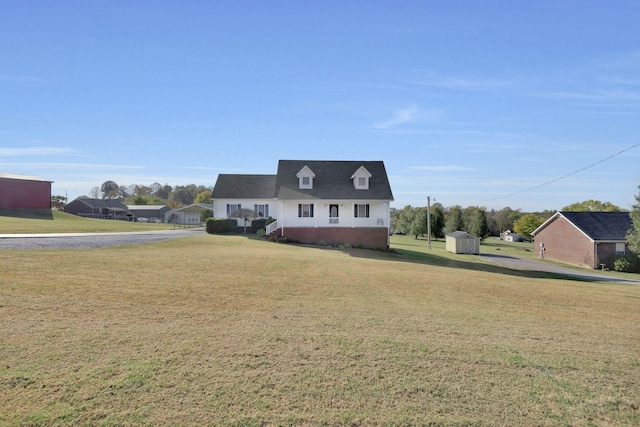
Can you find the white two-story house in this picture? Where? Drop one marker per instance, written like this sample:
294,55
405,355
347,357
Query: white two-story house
315,201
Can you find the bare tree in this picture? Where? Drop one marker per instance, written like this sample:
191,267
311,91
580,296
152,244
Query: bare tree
245,214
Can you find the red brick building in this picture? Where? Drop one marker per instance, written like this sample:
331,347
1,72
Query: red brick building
585,239
24,192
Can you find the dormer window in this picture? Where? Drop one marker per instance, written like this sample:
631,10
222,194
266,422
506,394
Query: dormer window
305,178
361,178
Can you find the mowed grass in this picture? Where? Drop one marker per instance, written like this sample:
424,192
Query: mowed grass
30,221
231,330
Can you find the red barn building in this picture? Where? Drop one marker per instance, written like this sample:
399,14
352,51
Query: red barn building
24,192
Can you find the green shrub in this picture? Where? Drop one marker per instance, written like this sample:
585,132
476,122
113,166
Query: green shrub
627,263
258,224
221,226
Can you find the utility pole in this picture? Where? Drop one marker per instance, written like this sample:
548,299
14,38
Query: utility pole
429,221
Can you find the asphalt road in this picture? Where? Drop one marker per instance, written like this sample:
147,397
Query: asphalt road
89,240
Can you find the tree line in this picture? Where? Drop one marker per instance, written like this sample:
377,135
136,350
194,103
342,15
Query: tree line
479,221
154,194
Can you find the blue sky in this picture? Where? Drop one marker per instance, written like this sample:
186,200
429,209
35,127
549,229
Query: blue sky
482,103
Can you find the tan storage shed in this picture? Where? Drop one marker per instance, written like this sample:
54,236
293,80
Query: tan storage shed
461,242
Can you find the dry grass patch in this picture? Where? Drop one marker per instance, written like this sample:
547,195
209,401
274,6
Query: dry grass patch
233,331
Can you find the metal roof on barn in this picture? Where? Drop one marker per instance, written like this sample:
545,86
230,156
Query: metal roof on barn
22,177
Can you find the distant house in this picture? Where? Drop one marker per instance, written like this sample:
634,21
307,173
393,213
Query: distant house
510,236
190,215
586,239
24,192
148,211
461,242
98,208
315,201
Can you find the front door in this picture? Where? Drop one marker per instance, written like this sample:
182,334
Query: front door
333,214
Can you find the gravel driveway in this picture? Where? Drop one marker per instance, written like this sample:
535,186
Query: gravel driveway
534,265
89,240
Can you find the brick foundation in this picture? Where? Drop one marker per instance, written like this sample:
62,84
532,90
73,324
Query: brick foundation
365,237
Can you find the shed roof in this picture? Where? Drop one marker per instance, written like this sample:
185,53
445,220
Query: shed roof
332,180
232,186
598,226
457,234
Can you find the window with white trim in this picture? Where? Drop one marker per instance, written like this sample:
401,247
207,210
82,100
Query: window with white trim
231,208
305,210
620,249
262,211
361,211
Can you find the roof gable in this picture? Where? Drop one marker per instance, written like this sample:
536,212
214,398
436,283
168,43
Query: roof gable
231,186
305,178
333,180
360,178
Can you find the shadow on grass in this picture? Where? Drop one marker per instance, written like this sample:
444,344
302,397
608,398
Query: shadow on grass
27,213
418,257
404,255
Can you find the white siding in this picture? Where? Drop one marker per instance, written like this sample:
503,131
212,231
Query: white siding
378,214
220,206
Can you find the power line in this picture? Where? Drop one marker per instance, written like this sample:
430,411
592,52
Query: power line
565,176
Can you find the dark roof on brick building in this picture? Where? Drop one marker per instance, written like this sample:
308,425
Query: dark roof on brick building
598,226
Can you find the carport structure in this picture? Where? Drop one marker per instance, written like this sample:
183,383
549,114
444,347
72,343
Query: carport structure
188,216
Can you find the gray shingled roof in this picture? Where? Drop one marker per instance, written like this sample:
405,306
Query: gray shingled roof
601,225
103,203
232,186
332,180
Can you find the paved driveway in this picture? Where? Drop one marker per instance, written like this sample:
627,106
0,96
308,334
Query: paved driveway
535,265
89,240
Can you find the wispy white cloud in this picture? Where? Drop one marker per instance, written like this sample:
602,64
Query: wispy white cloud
410,114
35,151
434,79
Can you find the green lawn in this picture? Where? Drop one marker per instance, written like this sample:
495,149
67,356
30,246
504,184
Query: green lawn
234,330
29,221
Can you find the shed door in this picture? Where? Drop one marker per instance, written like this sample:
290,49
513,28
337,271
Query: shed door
468,246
